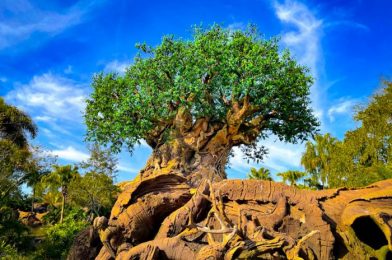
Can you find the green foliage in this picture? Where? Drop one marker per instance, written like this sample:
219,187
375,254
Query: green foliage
101,161
60,236
14,124
95,191
312,183
19,163
14,165
53,215
365,154
209,75
292,176
12,232
60,179
317,157
8,252
260,174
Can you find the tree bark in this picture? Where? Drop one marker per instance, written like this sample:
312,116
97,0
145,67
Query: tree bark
200,152
250,219
181,207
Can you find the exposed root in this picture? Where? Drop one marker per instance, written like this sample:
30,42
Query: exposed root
237,219
293,254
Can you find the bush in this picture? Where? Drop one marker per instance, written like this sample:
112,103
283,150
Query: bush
60,236
12,232
53,215
8,252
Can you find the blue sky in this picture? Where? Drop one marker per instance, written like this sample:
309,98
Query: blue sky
49,51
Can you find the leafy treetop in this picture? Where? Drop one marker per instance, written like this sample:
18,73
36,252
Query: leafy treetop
212,76
260,174
15,124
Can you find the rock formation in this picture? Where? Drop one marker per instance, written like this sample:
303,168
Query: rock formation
162,217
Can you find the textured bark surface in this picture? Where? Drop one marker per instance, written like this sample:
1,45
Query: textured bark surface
181,207
164,218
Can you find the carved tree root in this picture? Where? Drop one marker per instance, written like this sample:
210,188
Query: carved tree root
246,219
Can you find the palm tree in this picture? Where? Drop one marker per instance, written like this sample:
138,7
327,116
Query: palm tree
40,165
60,178
33,180
14,124
292,176
317,156
15,154
260,174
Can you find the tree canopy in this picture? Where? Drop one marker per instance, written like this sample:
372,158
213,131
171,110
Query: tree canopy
317,157
292,176
231,77
260,174
16,159
15,124
364,155
101,161
60,178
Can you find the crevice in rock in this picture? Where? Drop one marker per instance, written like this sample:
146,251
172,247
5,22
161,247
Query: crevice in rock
369,232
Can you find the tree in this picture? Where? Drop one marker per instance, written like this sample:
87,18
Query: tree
13,166
365,155
376,128
15,156
292,176
100,161
59,179
260,174
193,101
312,183
40,165
94,191
317,157
15,124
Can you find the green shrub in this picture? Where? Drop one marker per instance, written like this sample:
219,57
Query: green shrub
12,232
59,237
7,251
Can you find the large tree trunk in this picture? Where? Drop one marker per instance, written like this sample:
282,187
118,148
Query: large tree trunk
196,153
181,207
163,218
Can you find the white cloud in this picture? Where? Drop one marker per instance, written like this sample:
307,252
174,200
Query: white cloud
3,79
47,132
117,66
343,107
50,96
70,154
43,118
288,155
304,42
281,157
124,168
28,19
236,26
347,23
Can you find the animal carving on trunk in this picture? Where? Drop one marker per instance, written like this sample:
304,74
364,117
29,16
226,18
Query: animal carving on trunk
237,219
